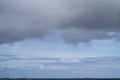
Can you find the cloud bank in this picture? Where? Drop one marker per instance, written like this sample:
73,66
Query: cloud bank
72,63
49,67
76,20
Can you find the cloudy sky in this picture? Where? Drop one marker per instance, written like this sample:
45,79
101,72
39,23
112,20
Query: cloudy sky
59,38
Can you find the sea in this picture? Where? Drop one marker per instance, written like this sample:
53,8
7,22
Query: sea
59,78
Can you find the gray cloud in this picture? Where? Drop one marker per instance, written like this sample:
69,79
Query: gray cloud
21,19
82,35
2,55
92,19
92,14
77,20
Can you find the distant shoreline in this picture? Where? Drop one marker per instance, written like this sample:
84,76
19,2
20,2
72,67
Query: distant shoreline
59,78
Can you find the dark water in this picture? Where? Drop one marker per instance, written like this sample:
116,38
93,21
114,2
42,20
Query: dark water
61,79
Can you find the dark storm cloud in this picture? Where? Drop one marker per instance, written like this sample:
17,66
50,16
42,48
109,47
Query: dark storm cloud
92,19
77,20
21,19
94,14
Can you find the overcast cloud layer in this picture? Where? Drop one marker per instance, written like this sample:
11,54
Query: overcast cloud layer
75,20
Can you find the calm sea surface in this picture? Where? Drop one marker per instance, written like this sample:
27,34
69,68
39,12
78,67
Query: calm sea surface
61,79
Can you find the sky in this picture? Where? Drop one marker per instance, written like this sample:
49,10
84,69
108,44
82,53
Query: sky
59,38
